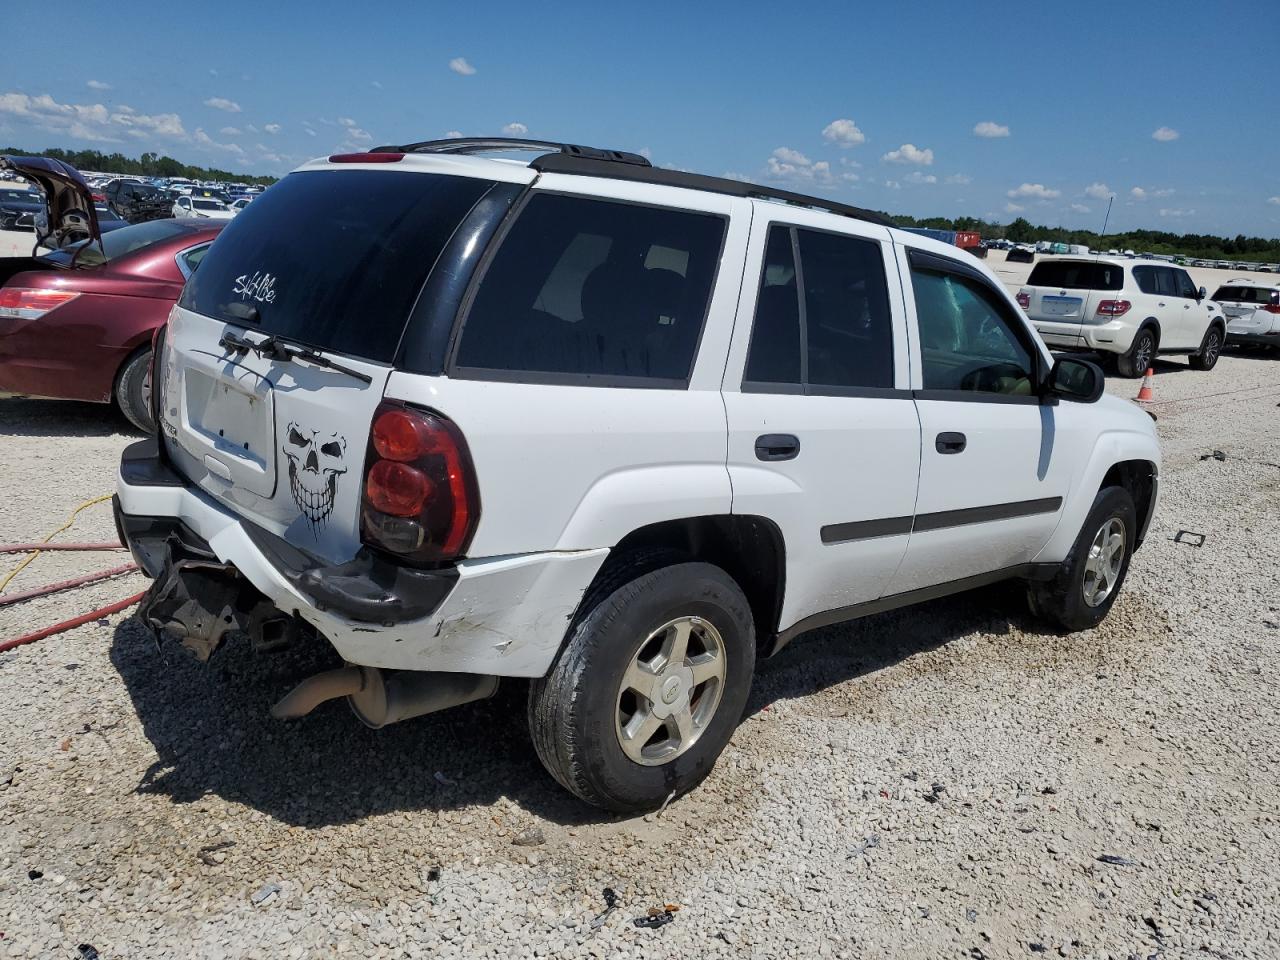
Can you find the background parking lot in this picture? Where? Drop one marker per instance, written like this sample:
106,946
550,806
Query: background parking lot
941,781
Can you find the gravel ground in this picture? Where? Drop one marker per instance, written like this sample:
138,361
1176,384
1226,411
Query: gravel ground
948,781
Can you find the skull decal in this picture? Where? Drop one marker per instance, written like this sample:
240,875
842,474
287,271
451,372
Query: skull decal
315,464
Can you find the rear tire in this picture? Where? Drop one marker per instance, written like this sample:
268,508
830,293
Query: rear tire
133,391
1141,354
1210,350
1075,599
582,712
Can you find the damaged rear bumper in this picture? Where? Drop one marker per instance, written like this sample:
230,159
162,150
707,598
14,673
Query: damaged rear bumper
503,616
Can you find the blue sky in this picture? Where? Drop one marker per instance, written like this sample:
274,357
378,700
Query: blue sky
1167,106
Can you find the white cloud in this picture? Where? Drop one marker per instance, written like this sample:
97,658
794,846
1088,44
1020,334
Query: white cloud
452,134
460,66
843,133
1138,193
222,103
355,137
1167,212
1099,191
787,164
230,131
1275,200
893,184
646,153
909,153
1013,208
90,121
915,176
98,85
1165,134
204,140
375,84
515,129
310,131
990,129
960,178
1079,208
272,128
1035,191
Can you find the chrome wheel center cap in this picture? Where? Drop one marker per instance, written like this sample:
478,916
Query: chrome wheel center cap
670,689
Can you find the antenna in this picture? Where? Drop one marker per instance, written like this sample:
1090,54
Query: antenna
1105,221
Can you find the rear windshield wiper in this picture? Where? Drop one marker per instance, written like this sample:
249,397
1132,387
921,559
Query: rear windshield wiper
276,348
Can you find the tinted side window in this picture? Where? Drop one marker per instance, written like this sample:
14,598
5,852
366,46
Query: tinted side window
846,306
839,333
1145,278
595,287
774,356
1185,285
1165,285
967,343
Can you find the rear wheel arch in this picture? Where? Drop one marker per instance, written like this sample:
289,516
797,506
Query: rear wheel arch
750,549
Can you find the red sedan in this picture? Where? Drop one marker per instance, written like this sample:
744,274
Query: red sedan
76,324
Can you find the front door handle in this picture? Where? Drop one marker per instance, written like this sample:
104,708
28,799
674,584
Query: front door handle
777,446
950,442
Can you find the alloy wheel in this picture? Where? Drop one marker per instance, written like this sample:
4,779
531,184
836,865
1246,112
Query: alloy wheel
1102,566
670,690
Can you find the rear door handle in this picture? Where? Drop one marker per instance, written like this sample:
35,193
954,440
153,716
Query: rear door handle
777,446
950,442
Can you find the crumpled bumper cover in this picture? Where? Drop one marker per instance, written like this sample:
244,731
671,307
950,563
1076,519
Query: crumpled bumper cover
505,616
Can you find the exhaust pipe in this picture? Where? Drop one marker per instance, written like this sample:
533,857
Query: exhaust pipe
380,697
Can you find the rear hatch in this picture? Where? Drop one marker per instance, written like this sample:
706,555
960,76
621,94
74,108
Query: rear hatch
1068,291
327,260
1248,308
70,212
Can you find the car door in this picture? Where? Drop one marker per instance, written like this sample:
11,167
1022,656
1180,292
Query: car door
993,474
823,436
1196,312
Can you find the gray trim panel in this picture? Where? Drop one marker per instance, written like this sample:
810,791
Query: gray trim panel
896,526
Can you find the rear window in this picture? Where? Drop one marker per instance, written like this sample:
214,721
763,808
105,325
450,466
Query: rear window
1076,275
595,288
334,260
1262,295
126,240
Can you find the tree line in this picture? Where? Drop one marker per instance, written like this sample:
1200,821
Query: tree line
147,165
1194,245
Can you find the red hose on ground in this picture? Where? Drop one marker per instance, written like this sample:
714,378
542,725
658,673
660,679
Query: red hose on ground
73,623
41,547
8,598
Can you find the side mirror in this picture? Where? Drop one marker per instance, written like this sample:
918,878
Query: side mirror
1202,293
1074,379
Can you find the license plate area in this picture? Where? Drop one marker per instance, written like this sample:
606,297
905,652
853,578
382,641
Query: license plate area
1060,306
230,416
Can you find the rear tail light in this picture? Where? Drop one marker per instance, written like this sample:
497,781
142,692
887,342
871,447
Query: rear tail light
420,497
1114,308
1024,300
366,158
27,303
1270,307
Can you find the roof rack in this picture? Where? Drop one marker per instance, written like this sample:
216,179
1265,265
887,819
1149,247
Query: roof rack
619,165
589,167
470,145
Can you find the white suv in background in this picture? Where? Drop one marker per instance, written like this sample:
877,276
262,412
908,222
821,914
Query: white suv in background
1132,310
611,429
1253,312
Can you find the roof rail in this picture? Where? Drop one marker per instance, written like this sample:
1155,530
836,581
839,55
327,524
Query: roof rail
469,145
587,166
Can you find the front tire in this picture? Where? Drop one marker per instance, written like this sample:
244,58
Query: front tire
648,690
1141,354
1210,350
133,391
1088,581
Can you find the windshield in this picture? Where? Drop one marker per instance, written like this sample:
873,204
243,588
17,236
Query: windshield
207,205
1263,295
333,259
126,240
20,196
1077,275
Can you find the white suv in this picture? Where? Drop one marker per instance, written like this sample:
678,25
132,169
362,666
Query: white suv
1253,312
613,429
1133,310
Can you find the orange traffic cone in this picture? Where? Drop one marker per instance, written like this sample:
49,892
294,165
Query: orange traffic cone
1146,394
